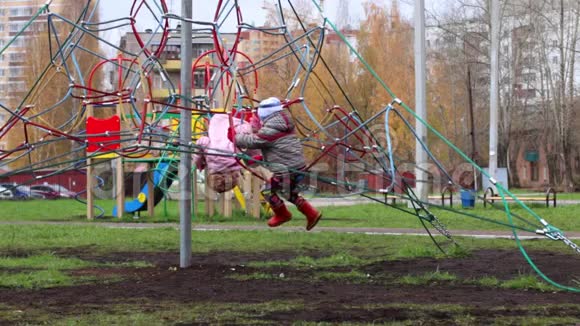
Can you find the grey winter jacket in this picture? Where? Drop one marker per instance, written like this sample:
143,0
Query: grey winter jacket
278,142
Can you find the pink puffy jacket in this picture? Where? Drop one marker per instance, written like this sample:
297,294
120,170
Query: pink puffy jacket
217,148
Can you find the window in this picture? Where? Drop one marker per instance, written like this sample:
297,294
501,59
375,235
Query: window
1,26
15,27
16,56
198,80
534,171
2,71
15,71
450,39
528,61
554,59
19,12
17,86
529,78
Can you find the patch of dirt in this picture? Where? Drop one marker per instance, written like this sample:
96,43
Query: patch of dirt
209,280
501,264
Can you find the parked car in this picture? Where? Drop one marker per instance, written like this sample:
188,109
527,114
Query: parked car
32,194
45,192
62,191
17,192
6,193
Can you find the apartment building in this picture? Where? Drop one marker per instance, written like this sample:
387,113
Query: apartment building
170,58
530,66
14,15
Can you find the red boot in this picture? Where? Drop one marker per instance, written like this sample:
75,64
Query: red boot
312,215
281,215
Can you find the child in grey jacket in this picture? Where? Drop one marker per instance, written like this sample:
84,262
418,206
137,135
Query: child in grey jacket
283,153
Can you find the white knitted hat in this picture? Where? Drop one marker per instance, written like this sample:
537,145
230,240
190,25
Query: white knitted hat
269,106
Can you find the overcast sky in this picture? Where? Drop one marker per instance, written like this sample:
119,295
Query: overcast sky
203,10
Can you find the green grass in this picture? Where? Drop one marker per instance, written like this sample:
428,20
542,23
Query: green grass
256,276
427,278
168,313
47,270
522,282
528,282
336,260
44,261
104,239
361,215
352,276
536,321
488,281
36,279
51,261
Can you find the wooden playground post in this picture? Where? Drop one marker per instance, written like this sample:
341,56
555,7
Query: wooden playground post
247,190
255,195
227,203
209,197
120,186
195,193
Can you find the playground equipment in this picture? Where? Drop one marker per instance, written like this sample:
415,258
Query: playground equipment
346,135
103,140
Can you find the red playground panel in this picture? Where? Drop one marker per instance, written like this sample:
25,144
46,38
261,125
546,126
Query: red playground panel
103,135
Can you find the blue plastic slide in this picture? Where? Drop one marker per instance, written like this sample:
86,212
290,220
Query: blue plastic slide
140,203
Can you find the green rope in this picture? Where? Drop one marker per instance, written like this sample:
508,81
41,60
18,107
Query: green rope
525,254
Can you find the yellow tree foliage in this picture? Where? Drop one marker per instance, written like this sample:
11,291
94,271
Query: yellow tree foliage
386,43
448,108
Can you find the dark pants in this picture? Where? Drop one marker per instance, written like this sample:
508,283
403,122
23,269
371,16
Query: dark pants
284,184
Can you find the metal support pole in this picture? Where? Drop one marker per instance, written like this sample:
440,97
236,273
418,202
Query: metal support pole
420,101
185,138
494,88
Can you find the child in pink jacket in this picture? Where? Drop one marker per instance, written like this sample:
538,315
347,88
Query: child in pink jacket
216,153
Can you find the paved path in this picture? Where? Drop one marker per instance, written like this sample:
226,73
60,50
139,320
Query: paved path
484,234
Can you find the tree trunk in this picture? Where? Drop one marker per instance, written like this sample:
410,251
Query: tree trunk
514,179
568,181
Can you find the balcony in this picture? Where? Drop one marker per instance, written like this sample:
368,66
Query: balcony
172,65
161,94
